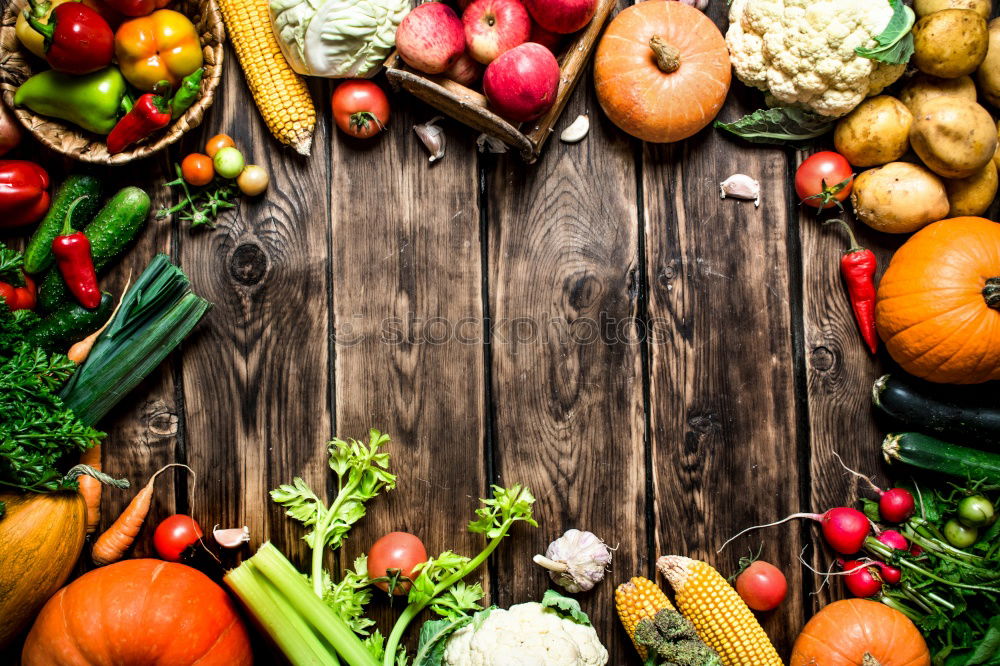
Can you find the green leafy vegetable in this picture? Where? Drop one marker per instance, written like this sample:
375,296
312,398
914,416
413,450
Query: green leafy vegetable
783,126
567,607
434,635
11,262
349,597
894,45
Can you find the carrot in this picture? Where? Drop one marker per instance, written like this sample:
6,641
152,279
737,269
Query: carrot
111,546
90,487
79,352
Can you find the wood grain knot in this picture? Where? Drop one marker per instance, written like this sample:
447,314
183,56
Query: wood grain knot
822,358
248,264
704,424
160,420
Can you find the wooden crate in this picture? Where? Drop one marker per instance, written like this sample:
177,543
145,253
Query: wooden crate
470,107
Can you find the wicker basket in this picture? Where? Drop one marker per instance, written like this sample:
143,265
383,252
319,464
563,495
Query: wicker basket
17,65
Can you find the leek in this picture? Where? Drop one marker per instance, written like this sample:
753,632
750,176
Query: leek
156,314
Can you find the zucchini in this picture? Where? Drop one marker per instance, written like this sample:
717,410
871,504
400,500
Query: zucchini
68,324
38,254
964,414
114,227
933,455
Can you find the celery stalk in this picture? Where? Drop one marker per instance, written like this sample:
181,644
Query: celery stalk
293,636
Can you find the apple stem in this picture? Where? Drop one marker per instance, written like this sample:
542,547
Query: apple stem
668,58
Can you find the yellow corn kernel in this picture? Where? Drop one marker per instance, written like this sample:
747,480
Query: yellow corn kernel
717,612
637,600
281,94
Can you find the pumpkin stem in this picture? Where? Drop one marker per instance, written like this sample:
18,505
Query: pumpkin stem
668,58
869,660
991,292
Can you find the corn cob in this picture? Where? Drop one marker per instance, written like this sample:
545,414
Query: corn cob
637,600
281,94
718,614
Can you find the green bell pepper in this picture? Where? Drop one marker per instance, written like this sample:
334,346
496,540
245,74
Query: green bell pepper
92,101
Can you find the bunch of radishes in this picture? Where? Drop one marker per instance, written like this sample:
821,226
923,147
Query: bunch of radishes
516,42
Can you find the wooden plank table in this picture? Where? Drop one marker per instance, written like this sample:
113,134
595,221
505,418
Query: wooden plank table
660,366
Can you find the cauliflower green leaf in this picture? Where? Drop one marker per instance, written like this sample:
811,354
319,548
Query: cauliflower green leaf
894,45
783,126
566,607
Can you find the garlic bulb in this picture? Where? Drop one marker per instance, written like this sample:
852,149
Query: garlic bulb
740,186
432,137
576,561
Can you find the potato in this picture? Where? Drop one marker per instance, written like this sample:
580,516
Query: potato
923,87
925,7
954,138
949,43
996,153
876,132
899,197
972,195
988,74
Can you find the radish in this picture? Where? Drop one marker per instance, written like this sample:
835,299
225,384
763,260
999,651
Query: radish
859,579
894,505
893,539
889,574
844,528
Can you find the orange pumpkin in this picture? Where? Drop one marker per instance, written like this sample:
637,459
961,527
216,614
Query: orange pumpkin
135,613
858,632
938,304
662,71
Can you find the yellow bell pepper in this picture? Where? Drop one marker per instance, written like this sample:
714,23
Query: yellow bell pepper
33,40
163,46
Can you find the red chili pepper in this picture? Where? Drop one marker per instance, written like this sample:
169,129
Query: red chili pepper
77,38
149,113
76,264
857,266
136,7
24,196
20,298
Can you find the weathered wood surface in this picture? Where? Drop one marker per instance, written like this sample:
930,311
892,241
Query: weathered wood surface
661,366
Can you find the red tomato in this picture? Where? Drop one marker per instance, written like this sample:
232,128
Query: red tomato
762,586
360,108
824,179
217,143
198,169
395,554
174,535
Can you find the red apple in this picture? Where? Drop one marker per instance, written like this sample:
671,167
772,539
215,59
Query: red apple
561,16
465,70
521,84
493,27
430,38
547,38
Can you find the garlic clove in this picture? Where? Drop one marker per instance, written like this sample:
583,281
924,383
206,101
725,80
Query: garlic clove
233,537
432,137
576,130
740,186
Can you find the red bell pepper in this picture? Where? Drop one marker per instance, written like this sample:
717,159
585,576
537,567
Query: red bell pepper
24,196
149,113
71,249
19,298
136,7
77,38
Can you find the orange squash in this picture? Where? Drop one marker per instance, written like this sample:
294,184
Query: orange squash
135,613
662,71
858,632
938,304
41,537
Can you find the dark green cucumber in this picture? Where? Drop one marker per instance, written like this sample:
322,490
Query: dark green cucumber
38,254
954,411
68,324
933,455
114,227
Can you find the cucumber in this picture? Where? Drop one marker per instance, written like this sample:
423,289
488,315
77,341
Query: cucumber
964,414
114,227
68,324
38,254
933,455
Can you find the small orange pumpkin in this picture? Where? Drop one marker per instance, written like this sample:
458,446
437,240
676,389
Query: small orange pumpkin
938,304
662,71
859,632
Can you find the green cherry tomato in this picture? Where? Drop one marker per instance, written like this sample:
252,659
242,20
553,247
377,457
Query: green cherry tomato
228,162
975,511
959,535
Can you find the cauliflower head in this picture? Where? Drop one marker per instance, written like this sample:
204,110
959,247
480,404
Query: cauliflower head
801,52
525,635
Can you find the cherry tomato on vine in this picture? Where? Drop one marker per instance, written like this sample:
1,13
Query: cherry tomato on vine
360,108
197,169
174,535
824,179
762,586
395,554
